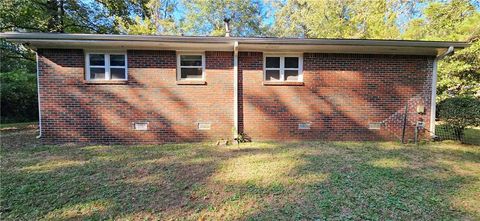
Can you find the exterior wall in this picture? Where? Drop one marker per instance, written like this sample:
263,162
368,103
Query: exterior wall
341,95
76,111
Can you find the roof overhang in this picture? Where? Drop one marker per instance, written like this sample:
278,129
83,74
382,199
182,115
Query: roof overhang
356,46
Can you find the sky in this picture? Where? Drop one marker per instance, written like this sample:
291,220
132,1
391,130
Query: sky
270,10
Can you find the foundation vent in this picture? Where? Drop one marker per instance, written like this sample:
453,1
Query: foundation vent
375,126
140,126
304,126
204,126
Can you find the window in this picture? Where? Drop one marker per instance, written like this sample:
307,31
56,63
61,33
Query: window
106,66
283,68
191,66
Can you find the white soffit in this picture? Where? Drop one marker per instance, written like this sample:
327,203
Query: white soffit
342,49
87,44
358,46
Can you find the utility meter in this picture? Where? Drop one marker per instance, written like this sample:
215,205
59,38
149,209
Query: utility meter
420,124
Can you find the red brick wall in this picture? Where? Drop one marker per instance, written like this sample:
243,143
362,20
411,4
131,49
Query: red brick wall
74,111
342,94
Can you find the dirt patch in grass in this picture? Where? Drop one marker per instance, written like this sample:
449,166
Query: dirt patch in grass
266,181
25,138
4,128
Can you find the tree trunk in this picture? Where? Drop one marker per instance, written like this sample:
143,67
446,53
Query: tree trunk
56,11
459,133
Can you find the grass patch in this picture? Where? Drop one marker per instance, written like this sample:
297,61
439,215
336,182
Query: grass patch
258,181
23,125
15,127
472,135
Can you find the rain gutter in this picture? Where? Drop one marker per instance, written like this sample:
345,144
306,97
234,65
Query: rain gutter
235,89
434,87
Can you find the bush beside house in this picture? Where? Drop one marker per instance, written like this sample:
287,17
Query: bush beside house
18,96
459,113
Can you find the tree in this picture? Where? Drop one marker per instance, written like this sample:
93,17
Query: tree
157,18
205,17
459,113
375,19
459,74
55,16
18,96
17,63
305,18
455,20
47,16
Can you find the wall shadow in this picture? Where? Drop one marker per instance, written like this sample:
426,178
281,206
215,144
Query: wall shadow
342,95
78,111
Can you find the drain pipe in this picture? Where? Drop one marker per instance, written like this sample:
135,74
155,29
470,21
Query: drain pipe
434,88
38,99
235,89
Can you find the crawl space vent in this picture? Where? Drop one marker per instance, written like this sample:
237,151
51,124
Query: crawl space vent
375,126
304,126
204,126
140,126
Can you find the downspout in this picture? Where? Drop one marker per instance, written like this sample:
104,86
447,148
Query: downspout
38,99
235,89
434,88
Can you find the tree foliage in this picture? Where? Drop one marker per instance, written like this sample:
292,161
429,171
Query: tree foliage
459,74
459,113
151,17
69,16
18,96
376,19
455,20
55,16
205,17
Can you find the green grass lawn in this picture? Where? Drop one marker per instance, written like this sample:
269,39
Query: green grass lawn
472,135
256,181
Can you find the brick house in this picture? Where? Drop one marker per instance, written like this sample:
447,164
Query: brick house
154,89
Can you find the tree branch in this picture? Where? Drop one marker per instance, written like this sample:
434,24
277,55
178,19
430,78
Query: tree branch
19,26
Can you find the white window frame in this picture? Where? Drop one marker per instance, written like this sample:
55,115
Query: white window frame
107,65
179,67
282,68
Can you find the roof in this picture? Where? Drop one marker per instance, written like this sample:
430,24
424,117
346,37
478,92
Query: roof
157,42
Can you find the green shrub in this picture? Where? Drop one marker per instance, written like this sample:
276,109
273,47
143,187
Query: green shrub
459,113
18,96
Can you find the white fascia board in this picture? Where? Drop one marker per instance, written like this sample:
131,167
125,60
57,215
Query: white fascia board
52,40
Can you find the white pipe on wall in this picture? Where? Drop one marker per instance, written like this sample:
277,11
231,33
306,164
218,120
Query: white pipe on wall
38,98
235,89
433,107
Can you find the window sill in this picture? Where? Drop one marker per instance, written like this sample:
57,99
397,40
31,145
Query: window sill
282,83
112,82
184,82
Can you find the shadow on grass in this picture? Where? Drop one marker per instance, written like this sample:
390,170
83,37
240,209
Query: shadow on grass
307,180
366,181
